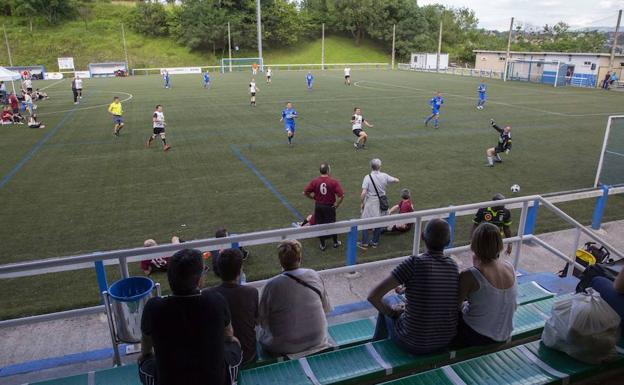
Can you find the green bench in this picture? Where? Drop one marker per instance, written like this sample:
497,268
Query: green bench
528,364
375,360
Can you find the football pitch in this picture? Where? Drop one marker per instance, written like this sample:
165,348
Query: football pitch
73,187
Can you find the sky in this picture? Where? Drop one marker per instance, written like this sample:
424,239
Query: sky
496,14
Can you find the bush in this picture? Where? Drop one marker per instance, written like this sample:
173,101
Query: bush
149,19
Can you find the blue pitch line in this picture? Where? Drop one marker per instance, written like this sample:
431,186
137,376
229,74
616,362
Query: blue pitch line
7,178
266,182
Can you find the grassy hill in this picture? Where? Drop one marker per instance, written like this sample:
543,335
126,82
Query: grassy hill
99,40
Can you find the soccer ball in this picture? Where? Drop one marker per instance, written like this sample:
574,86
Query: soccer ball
515,189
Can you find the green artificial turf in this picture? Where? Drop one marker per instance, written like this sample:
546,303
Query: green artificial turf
80,189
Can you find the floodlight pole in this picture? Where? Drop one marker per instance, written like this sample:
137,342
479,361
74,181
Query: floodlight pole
230,46
508,55
259,28
323,47
6,40
123,37
615,39
393,43
439,48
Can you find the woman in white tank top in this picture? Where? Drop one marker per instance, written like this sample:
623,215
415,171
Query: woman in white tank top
487,292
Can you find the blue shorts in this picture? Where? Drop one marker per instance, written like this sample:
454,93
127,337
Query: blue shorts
290,128
117,119
435,112
482,97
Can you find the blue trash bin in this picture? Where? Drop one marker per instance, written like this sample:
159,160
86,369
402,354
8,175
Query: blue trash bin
127,299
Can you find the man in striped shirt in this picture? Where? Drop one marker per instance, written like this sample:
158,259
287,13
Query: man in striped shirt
429,320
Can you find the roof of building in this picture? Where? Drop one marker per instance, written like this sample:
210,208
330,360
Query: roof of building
548,53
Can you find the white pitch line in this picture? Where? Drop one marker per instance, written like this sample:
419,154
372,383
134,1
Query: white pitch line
489,101
130,96
614,153
53,84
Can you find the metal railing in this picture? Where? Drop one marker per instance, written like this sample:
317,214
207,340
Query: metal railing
278,67
490,74
528,205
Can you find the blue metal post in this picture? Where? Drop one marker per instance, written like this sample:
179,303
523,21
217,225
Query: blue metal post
451,221
352,246
601,203
100,273
529,227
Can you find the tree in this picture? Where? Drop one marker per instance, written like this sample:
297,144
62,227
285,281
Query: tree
282,24
53,11
203,24
354,16
85,10
149,19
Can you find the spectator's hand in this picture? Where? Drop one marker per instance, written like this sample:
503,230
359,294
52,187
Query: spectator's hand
397,310
509,247
507,152
399,289
175,239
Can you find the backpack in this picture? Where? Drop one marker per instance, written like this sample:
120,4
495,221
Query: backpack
590,254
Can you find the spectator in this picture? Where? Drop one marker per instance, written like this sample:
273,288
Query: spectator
27,85
150,266
187,331
3,92
40,95
28,103
613,79
497,215
214,255
612,292
33,122
487,291
242,300
373,193
328,195
7,115
293,307
308,221
429,320
14,102
605,82
404,206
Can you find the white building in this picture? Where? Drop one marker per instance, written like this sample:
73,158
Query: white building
583,69
428,61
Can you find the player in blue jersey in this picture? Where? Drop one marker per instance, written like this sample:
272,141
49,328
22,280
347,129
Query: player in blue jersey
309,80
166,79
289,114
436,103
482,96
207,79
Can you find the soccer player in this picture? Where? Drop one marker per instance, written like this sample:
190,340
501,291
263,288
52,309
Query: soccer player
436,103
253,89
158,123
207,79
116,110
504,144
289,114
357,120
254,69
482,96
76,86
269,73
309,80
347,75
166,79
27,85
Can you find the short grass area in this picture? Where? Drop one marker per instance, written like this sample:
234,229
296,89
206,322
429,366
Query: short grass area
79,189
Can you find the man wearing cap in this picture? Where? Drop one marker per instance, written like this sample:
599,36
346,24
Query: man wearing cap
496,215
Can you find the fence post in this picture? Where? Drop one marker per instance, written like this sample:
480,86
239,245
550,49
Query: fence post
352,246
601,203
123,267
100,273
529,228
451,221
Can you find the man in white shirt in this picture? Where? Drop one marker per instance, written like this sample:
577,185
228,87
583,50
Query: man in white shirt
347,75
293,306
269,74
27,85
253,89
158,124
371,198
357,122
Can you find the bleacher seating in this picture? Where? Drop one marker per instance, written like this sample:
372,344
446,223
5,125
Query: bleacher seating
357,359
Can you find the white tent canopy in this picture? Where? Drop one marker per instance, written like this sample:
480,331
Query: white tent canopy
7,75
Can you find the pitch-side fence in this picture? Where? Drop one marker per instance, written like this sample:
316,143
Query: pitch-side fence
275,67
490,74
529,206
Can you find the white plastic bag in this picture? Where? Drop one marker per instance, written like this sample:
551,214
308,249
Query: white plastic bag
584,326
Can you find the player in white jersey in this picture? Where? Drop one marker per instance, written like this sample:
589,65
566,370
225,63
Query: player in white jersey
269,74
158,124
347,74
357,122
253,89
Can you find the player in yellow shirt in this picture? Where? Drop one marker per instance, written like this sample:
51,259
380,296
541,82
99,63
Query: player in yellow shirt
117,111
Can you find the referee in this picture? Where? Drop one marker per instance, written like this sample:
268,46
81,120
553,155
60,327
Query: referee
328,195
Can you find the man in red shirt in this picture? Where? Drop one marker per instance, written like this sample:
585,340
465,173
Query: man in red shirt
328,195
14,102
